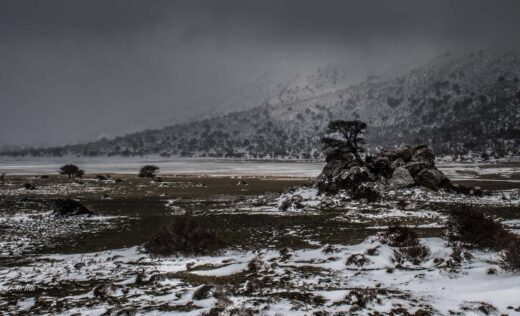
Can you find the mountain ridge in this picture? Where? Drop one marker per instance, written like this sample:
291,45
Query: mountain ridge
459,103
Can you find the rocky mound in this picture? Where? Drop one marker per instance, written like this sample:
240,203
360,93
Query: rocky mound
388,170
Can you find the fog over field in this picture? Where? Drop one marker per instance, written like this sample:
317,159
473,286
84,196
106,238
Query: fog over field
78,71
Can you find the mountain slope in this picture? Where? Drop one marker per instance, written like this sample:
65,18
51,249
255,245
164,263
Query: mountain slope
458,102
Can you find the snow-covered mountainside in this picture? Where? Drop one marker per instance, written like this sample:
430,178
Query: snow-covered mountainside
459,103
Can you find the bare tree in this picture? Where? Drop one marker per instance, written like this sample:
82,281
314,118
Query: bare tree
344,137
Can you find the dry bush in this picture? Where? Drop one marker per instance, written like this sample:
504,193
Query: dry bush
475,230
510,258
186,237
409,248
365,192
397,236
357,259
415,253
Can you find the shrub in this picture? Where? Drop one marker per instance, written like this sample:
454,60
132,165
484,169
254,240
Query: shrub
475,230
365,192
69,170
184,236
409,248
69,207
396,235
510,258
148,171
29,186
415,253
357,259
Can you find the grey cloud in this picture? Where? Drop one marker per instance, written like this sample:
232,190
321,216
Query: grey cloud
69,69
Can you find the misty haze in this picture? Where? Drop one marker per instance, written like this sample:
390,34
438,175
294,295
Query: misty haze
259,157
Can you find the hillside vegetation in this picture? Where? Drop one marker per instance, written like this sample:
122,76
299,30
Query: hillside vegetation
458,103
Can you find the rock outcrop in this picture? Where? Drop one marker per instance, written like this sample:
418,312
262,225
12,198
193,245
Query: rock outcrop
388,170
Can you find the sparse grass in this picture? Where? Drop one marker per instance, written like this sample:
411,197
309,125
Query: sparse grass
184,236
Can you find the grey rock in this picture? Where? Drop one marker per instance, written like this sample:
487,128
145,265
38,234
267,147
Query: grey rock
431,178
424,155
399,162
401,178
415,167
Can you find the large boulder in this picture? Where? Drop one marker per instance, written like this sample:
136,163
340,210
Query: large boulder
424,154
415,167
401,178
431,178
399,168
328,179
406,153
355,176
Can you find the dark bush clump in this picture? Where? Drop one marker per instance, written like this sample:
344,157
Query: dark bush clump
409,248
475,230
29,186
148,171
364,192
69,207
510,258
186,237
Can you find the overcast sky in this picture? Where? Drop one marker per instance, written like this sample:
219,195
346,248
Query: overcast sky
72,69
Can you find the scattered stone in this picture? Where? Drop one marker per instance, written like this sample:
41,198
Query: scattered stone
104,291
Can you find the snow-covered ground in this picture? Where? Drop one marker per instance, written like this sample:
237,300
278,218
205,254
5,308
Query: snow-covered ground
270,282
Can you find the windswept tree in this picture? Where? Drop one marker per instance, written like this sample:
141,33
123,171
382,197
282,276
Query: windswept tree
69,170
344,137
148,171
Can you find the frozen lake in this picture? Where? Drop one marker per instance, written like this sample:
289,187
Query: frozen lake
130,165
502,171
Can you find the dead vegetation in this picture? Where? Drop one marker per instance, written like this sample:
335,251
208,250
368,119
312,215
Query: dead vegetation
407,244
473,229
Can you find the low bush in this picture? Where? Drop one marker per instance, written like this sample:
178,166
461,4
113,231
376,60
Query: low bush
396,235
510,257
367,193
186,237
475,230
357,259
409,247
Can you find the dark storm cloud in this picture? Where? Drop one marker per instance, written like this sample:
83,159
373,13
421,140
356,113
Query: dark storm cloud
69,69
